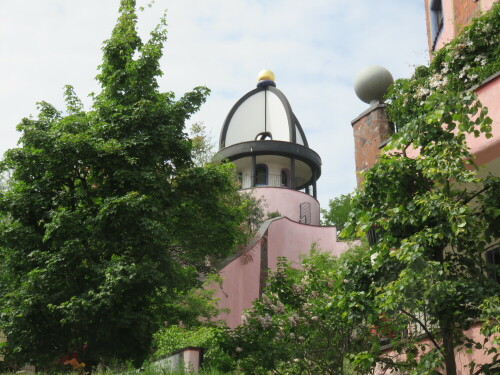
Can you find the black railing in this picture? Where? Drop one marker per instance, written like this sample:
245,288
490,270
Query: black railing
272,180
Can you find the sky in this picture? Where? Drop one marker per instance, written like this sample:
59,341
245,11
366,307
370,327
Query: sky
314,47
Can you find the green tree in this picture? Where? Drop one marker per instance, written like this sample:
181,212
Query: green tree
202,144
338,211
109,220
434,214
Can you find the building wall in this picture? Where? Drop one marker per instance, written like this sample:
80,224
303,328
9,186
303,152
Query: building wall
240,284
293,240
487,150
244,274
463,11
286,202
457,15
371,129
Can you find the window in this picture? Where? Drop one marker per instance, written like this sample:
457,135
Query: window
261,174
264,136
305,213
493,263
437,20
284,178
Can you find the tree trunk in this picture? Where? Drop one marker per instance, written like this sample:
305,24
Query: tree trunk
449,349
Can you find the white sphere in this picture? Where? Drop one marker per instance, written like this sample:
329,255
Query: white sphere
371,83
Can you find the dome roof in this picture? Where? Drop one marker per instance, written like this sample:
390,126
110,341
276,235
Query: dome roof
262,114
261,129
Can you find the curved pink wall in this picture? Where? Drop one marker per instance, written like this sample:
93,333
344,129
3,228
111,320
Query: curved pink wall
292,240
286,202
284,237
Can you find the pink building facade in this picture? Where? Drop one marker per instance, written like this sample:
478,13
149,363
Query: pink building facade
446,18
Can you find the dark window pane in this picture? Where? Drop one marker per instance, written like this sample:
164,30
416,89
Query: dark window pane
493,262
261,174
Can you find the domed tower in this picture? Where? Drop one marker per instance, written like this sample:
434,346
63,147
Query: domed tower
264,139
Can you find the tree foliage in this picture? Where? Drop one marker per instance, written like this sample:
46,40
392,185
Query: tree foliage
202,144
338,211
109,222
434,213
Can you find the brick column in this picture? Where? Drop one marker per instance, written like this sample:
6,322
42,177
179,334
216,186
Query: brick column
371,130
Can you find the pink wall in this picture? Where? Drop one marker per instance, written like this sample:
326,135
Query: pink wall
286,202
488,149
448,32
240,285
487,4
292,240
192,359
241,276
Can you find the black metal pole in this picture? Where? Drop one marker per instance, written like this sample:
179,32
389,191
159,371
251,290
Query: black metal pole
254,170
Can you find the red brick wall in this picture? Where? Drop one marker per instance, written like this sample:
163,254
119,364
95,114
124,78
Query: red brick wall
370,131
463,12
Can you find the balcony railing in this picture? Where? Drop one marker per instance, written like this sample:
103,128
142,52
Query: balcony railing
271,180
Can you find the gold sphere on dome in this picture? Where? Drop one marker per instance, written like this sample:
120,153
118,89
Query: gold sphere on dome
265,74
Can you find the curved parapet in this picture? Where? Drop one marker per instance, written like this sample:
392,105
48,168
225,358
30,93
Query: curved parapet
293,204
244,273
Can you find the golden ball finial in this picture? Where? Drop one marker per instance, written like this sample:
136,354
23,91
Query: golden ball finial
265,74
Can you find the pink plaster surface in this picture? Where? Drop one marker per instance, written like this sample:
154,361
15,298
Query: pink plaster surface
241,276
478,356
192,359
486,5
286,202
488,149
240,285
293,240
448,31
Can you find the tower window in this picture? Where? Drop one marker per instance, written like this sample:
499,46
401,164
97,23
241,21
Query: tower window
437,20
305,213
261,174
264,136
284,178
